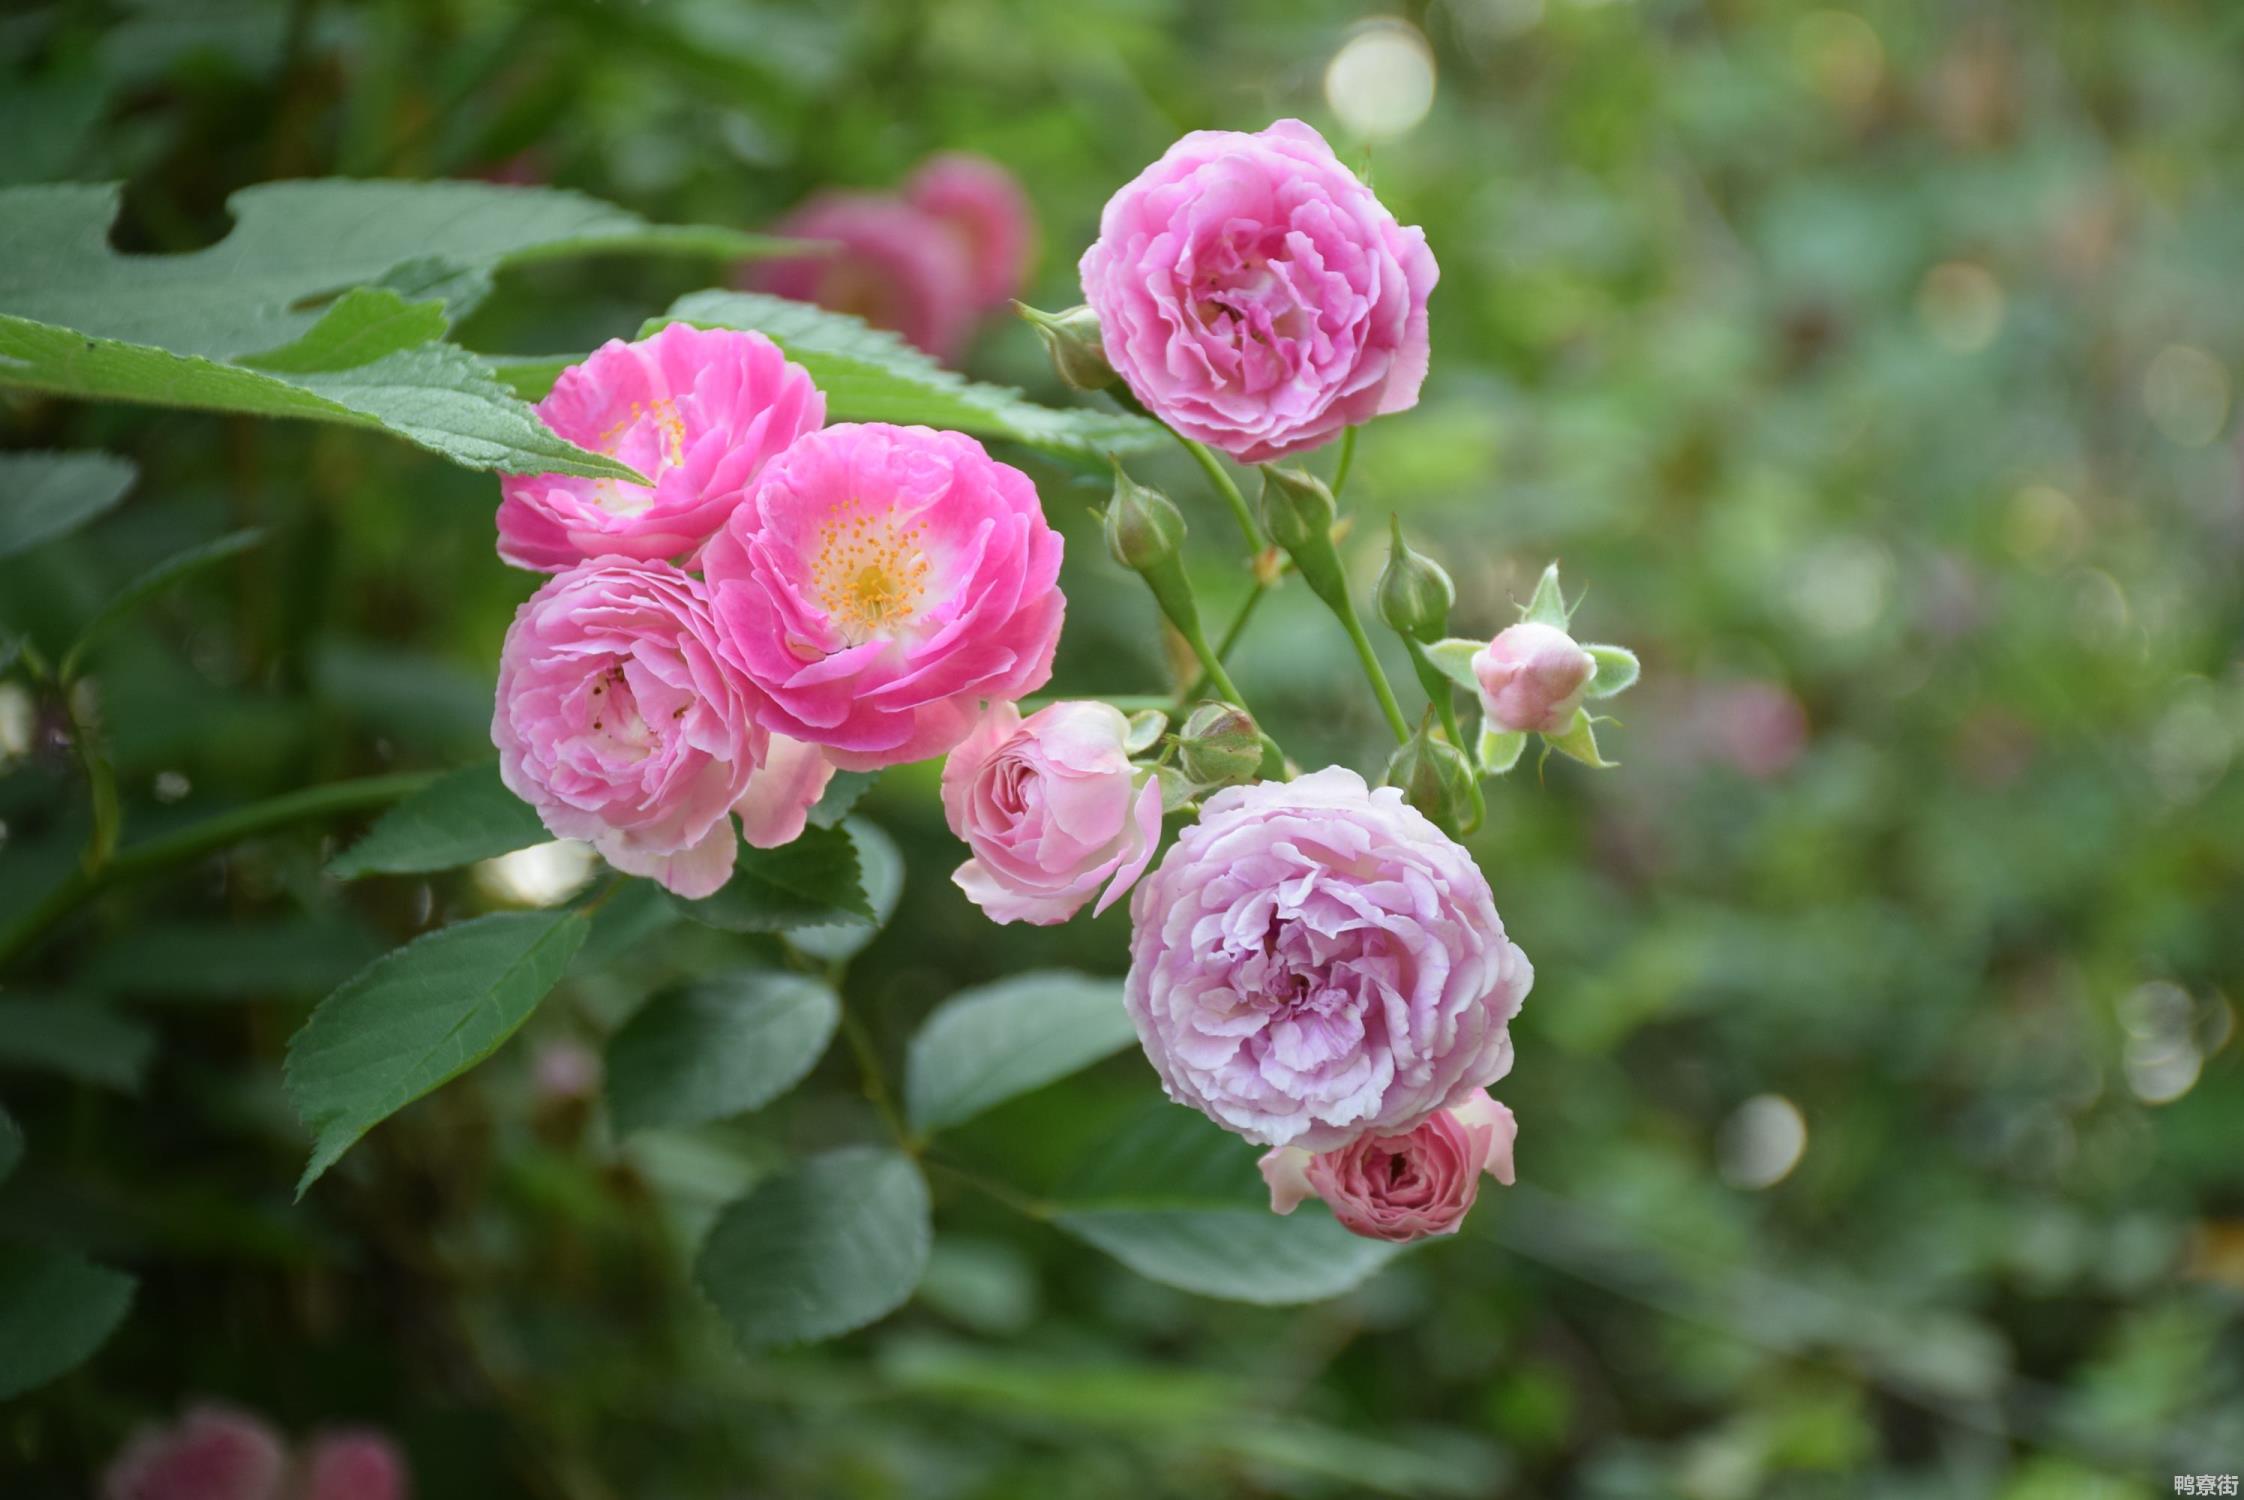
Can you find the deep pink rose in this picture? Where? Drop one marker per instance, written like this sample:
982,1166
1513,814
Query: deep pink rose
213,1454
879,583
890,264
696,410
1256,296
1314,961
1047,805
983,205
1532,677
1402,1187
623,724
353,1465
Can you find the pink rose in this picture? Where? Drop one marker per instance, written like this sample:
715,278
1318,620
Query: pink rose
213,1454
983,205
1256,296
1048,808
1532,678
879,583
623,724
698,411
1402,1187
1314,961
890,264
353,1466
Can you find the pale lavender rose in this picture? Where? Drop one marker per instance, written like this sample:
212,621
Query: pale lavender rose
887,263
983,206
698,411
1314,961
213,1454
1048,807
624,725
1532,678
1258,297
879,584
1401,1187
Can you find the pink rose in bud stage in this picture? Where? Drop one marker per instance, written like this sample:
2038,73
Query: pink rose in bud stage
983,205
1532,678
698,411
1047,805
879,584
1402,1187
353,1465
890,264
213,1454
624,725
1258,297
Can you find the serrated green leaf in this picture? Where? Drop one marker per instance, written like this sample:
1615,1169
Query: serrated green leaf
1499,749
1617,670
417,1017
844,790
78,1038
1453,658
986,1045
872,375
151,583
46,495
464,816
361,326
55,1311
826,1246
812,882
717,1047
880,867
1547,606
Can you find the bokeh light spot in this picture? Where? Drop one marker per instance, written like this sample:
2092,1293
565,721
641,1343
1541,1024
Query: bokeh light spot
1381,81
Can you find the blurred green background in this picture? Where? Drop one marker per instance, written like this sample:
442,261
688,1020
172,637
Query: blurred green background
1880,1132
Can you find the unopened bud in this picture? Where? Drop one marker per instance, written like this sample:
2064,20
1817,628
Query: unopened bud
1414,592
1532,678
1072,339
1297,509
1144,529
1435,777
1220,745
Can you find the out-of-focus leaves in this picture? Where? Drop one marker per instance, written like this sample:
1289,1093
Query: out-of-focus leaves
983,1046
719,1046
812,882
245,961
77,1038
46,495
55,1311
417,1017
151,583
11,1143
828,1245
462,817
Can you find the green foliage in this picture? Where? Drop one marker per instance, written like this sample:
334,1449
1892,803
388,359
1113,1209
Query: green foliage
456,820
46,495
11,1143
151,583
812,882
55,1311
78,1038
717,1047
984,1046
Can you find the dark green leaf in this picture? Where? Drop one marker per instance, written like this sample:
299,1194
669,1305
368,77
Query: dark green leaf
151,583
235,962
881,872
55,1311
843,792
812,882
463,817
984,1046
719,1046
78,1038
46,495
818,1249
11,1143
417,1017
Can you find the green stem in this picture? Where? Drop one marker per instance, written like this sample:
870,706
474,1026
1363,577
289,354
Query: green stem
1231,634
1346,462
1020,1203
1227,487
875,1080
197,839
1345,608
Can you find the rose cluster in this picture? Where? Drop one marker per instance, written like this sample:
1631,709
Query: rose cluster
218,1453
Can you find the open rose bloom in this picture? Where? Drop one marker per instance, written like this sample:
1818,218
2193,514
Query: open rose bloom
698,411
1402,1187
1048,806
879,584
621,722
886,262
1315,961
982,205
1256,296
216,1453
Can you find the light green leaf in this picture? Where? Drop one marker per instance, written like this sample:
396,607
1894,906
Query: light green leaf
359,327
821,1248
881,865
465,816
1454,659
55,1311
1499,749
872,375
984,1046
78,1038
151,583
417,1017
1146,727
46,495
11,1143
1547,606
1579,742
812,882
1616,669
717,1047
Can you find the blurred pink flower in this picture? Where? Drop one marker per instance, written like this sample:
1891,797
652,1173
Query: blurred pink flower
890,264
1756,727
353,1465
1256,296
882,582
1048,808
1402,1187
983,205
215,1453
1532,677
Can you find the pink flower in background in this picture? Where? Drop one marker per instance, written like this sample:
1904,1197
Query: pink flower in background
1756,727
983,205
1314,961
353,1465
889,264
623,724
1048,807
1402,1187
218,1454
1256,296
1532,678
879,584
698,411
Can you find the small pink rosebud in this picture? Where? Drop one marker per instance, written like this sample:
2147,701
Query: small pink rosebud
213,1454
1402,1187
354,1465
1532,678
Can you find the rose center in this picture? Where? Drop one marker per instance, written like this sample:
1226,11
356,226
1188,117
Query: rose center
615,724
868,572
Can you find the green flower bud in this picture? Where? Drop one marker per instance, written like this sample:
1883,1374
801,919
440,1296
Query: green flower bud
1297,509
1144,529
1072,339
1414,592
1220,745
1435,777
